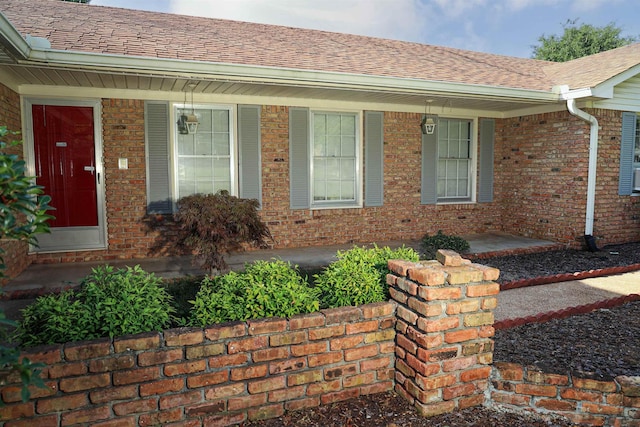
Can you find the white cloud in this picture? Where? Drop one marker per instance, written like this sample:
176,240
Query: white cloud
397,19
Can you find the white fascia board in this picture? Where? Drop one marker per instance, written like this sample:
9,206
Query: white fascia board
259,74
12,39
588,92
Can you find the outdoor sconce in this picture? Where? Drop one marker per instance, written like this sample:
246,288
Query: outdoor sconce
192,123
428,125
188,123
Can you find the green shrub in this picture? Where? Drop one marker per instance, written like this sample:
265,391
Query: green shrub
359,276
126,301
431,244
109,303
54,319
264,289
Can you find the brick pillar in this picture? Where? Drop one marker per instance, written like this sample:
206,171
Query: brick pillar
444,329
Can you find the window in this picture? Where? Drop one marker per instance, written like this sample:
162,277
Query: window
205,160
454,160
334,159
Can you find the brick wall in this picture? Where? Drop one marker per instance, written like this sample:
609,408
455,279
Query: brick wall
541,178
15,253
540,186
583,401
401,217
444,329
220,375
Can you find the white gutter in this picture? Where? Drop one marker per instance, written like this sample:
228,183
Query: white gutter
593,160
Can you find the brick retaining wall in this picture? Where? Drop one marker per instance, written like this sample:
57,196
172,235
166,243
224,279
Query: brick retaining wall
444,329
217,376
583,401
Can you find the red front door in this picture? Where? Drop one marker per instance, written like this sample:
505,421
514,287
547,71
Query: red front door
65,162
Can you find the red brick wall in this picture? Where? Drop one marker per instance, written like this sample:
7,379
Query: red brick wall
401,217
15,255
220,375
541,178
541,175
583,401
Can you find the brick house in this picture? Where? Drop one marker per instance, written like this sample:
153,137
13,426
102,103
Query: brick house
323,128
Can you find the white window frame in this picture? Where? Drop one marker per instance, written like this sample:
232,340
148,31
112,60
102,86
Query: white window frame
473,160
332,204
176,110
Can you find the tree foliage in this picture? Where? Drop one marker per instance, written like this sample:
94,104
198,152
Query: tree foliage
23,214
578,41
213,225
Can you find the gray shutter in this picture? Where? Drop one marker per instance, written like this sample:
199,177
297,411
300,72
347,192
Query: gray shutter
485,186
374,158
249,152
157,146
429,190
627,143
299,157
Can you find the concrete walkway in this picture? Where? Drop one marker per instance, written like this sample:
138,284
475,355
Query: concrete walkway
533,300
512,304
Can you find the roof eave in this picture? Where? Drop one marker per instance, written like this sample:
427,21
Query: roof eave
12,40
274,75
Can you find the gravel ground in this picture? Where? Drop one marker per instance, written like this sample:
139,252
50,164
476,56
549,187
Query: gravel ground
598,345
529,266
391,410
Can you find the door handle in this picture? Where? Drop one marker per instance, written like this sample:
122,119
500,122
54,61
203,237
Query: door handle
90,169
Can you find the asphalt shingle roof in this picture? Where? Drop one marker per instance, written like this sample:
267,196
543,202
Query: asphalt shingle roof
108,30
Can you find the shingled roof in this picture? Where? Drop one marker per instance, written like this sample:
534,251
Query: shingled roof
132,33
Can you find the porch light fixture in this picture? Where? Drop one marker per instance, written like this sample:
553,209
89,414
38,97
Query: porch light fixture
188,123
428,125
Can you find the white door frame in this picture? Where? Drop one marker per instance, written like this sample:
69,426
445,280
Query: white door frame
64,239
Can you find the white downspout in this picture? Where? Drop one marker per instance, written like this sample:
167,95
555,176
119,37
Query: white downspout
593,162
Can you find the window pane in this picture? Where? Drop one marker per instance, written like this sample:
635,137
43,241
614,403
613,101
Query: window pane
454,130
333,169
221,121
319,169
202,169
333,125
333,146
221,144
348,190
333,190
203,144
349,146
185,144
348,125
348,169
204,120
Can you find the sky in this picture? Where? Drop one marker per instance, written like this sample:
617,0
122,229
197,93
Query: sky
504,27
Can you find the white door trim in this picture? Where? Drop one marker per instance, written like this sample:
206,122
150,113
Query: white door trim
66,239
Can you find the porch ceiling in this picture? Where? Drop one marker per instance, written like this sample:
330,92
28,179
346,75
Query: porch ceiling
19,75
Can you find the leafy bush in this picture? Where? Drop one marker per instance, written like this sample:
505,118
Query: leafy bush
431,244
213,225
109,303
54,319
264,289
23,214
125,301
359,276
